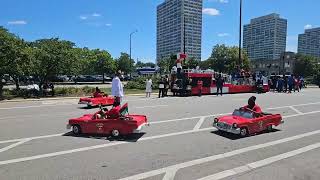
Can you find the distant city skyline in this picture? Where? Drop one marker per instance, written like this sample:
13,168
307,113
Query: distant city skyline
264,38
107,24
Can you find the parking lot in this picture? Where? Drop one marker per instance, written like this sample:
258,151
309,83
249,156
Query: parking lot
179,144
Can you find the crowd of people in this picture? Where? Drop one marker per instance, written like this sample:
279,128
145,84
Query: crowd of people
286,84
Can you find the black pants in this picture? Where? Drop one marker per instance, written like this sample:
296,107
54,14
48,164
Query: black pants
161,93
200,92
219,89
116,102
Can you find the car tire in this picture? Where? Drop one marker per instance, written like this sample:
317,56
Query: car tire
76,129
244,132
115,133
270,128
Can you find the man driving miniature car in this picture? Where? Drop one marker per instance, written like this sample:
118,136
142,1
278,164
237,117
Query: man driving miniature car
97,93
252,105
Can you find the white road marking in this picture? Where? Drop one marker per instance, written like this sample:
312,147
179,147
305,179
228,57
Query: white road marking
307,113
31,138
141,107
25,107
184,119
170,174
218,156
96,147
295,110
295,105
199,123
261,163
14,145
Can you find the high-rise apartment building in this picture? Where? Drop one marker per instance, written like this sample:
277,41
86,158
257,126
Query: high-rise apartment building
265,37
309,42
179,28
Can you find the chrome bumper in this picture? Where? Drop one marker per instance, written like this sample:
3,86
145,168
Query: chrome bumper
139,129
229,130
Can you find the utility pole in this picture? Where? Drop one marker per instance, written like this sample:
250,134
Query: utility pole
240,36
130,49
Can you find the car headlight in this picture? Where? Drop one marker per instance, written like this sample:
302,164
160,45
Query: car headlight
234,125
216,120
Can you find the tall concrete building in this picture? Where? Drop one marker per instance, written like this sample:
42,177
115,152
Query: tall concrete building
309,42
265,37
179,21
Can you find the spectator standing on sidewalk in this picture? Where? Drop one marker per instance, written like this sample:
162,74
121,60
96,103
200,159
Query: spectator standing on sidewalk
219,84
161,88
148,87
117,89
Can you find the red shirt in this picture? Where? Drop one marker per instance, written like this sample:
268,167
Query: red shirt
97,94
256,108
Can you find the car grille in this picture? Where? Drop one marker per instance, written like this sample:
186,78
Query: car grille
224,125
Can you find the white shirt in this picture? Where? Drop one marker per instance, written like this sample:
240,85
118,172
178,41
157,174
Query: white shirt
149,86
179,65
117,87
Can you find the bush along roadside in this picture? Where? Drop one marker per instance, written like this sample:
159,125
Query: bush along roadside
66,92
140,83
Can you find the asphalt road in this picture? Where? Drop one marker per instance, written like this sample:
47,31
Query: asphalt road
179,144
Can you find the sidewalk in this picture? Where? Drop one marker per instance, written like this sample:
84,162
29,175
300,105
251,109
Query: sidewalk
57,98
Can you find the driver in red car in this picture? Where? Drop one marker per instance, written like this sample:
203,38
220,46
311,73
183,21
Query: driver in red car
252,106
97,93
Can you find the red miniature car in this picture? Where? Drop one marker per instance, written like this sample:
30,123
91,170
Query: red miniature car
245,122
96,101
115,122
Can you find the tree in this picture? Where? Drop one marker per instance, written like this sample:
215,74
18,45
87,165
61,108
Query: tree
104,63
191,63
125,64
52,57
14,57
225,59
167,63
305,65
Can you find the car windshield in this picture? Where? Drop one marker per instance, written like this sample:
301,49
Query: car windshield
245,114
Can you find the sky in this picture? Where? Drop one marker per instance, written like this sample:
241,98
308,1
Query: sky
106,24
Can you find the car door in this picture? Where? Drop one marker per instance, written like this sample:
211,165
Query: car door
258,124
95,126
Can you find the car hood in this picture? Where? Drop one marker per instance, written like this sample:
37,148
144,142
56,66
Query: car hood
85,99
233,119
85,117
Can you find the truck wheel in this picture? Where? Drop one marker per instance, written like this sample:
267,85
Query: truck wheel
244,132
76,129
115,133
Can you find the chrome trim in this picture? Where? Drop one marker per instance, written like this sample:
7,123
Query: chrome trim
228,129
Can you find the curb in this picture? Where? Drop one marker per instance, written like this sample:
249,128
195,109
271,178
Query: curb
58,98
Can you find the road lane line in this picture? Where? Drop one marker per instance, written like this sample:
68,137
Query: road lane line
170,174
261,163
184,119
141,107
295,110
14,145
199,123
32,138
219,156
145,139
96,147
26,107
295,105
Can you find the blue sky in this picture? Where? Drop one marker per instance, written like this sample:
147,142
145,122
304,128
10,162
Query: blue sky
106,24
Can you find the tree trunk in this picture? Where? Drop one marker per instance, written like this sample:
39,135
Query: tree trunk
103,78
16,81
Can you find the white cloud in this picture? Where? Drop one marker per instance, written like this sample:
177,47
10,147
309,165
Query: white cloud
223,34
96,15
220,1
19,22
308,26
211,11
83,17
108,25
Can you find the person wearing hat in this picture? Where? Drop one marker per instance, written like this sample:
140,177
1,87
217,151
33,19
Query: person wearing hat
252,106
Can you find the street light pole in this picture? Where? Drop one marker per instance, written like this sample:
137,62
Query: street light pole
130,49
240,35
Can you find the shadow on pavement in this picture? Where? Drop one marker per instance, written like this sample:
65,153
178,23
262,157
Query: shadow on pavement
127,138
236,137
